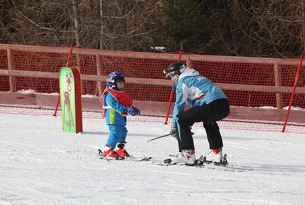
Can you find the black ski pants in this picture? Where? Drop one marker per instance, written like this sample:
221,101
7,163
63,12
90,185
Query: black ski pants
208,114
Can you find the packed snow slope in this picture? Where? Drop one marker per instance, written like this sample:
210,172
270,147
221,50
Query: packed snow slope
41,164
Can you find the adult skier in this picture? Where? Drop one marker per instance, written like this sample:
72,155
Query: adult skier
208,104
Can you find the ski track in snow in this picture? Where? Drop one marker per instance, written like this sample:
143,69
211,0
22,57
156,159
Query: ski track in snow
41,164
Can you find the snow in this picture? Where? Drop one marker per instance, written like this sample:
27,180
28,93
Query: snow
41,164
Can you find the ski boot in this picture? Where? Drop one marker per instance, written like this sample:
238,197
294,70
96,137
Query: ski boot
110,153
121,151
186,157
215,155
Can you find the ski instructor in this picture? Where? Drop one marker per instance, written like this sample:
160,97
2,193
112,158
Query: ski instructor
208,105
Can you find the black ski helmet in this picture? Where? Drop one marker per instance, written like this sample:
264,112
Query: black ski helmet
174,68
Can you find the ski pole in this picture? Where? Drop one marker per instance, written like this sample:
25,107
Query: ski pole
158,137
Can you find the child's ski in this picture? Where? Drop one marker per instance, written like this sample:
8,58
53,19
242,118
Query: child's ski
130,158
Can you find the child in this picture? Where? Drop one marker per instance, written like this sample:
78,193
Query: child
117,105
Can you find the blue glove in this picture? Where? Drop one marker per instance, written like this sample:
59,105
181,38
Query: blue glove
130,111
137,110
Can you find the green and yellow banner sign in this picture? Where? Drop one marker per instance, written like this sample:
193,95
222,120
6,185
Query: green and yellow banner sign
71,99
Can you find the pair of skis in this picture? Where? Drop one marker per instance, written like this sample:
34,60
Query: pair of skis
132,158
203,163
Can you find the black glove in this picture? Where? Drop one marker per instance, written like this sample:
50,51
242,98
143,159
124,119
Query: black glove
174,132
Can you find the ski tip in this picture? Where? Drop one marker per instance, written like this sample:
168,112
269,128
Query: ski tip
145,159
167,161
100,154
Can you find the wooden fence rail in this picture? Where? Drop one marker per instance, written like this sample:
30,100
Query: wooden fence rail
237,113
